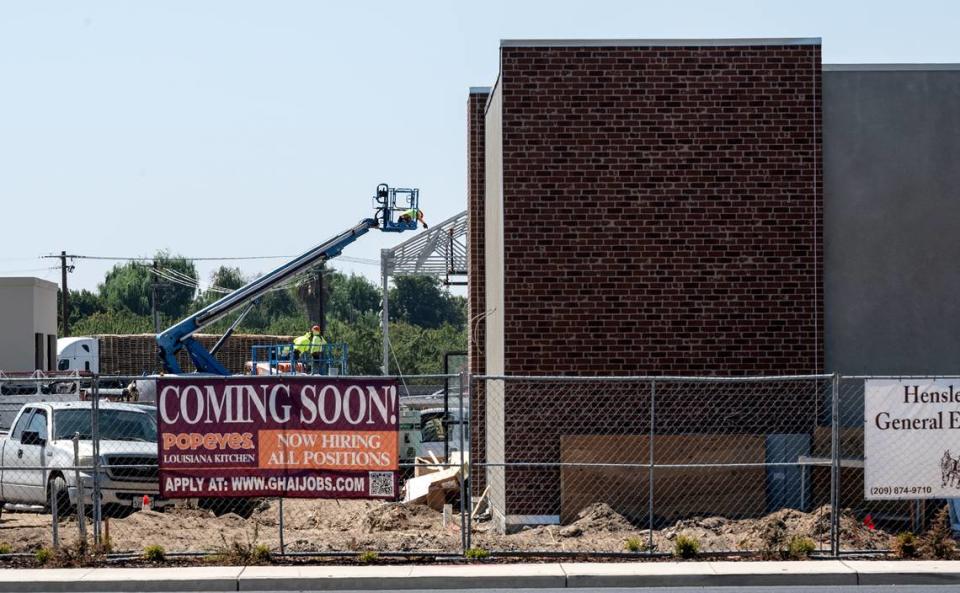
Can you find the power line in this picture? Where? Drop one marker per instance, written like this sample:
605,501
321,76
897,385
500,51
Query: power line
150,259
347,258
24,270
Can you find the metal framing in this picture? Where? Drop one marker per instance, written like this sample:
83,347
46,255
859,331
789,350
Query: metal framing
440,251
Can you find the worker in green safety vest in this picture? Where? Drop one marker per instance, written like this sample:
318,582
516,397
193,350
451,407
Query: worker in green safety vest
413,214
309,348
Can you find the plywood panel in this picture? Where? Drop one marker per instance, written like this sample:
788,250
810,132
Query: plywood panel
678,492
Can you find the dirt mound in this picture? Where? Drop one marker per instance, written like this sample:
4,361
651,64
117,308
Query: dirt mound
360,525
399,517
600,517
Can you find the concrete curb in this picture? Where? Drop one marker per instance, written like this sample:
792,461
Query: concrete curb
76,580
333,578
483,576
916,572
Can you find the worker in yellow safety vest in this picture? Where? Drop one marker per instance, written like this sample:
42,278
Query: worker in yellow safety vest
413,214
309,348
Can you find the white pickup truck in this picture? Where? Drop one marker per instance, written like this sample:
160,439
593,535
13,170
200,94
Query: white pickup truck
38,454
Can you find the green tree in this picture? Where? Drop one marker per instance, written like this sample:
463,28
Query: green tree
419,351
420,300
426,323
277,312
83,304
128,286
313,293
277,308
351,297
363,339
112,322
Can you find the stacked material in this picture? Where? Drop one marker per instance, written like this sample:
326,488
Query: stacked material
136,354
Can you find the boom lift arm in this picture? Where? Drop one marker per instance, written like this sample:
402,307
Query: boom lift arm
171,340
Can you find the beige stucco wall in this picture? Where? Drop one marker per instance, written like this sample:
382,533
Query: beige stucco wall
27,306
493,258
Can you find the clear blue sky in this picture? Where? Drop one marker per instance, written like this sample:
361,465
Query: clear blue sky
248,128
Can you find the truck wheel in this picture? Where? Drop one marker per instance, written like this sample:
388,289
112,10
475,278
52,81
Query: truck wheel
58,487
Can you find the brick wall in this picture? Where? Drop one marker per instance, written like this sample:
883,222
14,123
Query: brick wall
476,304
662,215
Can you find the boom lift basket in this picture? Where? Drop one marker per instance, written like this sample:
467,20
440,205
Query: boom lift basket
391,203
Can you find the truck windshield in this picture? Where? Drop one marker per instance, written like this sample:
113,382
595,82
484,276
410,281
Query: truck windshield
113,425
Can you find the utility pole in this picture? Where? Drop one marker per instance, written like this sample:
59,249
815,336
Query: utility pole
153,298
385,308
321,306
64,294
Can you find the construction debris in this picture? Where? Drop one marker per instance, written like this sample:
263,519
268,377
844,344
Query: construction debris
434,484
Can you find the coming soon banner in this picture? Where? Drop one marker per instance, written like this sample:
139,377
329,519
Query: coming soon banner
309,437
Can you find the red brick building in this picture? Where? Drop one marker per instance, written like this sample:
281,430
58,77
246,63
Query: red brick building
648,207
476,303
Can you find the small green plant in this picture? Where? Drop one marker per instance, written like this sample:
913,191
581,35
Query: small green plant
242,551
154,553
800,547
634,544
476,554
686,547
5,549
43,556
368,557
938,540
261,554
905,545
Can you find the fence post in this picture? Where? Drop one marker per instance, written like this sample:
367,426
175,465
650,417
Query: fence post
653,415
835,466
55,518
280,526
466,465
95,447
79,481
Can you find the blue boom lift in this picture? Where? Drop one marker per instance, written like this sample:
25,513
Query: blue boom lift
388,201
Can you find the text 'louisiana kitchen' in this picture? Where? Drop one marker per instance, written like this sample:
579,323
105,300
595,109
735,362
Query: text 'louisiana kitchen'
912,395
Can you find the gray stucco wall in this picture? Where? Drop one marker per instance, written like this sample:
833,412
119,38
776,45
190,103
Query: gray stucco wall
891,150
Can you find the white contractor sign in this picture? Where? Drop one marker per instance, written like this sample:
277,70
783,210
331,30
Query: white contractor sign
911,438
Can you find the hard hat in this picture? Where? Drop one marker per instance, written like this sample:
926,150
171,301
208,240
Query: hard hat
316,329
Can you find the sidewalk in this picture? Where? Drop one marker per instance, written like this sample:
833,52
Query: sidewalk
484,576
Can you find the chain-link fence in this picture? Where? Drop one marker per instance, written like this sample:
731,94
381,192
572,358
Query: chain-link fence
567,465
611,465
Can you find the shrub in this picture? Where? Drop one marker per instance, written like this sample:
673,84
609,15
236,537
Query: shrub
800,547
241,552
905,545
938,541
476,554
154,553
368,557
43,556
5,549
261,554
686,547
635,544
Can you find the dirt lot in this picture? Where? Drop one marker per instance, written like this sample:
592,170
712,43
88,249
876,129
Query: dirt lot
330,525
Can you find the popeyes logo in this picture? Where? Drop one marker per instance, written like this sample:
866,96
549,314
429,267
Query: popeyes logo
191,441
